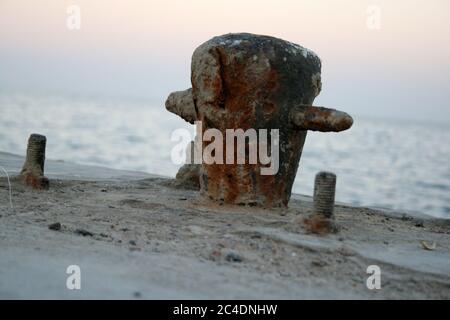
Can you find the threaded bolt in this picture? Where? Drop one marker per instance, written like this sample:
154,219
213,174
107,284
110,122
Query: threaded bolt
324,191
33,170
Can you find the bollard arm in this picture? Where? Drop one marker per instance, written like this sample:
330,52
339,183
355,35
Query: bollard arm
182,104
303,117
320,119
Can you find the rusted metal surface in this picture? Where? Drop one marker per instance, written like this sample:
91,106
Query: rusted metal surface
246,81
320,119
324,191
32,173
182,104
322,219
188,175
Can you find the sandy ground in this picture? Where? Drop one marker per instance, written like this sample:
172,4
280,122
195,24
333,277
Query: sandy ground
135,235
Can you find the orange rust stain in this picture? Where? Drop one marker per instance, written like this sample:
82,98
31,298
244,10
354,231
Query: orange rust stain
271,80
36,182
240,88
269,109
319,225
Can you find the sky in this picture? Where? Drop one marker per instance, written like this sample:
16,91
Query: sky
383,58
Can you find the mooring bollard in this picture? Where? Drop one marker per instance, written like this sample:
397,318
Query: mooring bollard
251,82
32,173
324,191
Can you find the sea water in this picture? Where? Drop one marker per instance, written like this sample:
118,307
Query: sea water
394,164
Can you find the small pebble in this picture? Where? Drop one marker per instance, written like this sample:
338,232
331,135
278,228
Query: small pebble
232,256
55,226
318,263
419,224
84,233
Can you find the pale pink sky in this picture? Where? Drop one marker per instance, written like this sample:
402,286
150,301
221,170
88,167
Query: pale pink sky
143,48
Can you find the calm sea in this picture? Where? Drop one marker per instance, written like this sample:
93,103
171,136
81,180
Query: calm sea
382,163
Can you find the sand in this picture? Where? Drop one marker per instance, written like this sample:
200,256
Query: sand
136,235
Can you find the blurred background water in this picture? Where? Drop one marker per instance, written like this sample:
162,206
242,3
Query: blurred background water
379,162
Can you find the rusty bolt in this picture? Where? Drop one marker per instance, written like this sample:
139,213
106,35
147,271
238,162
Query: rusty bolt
324,190
322,219
246,81
32,173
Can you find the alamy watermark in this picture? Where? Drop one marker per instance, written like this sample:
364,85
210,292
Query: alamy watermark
73,281
237,147
374,280
373,20
73,21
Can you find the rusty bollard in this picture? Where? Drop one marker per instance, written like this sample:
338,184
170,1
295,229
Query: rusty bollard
246,81
32,173
322,219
